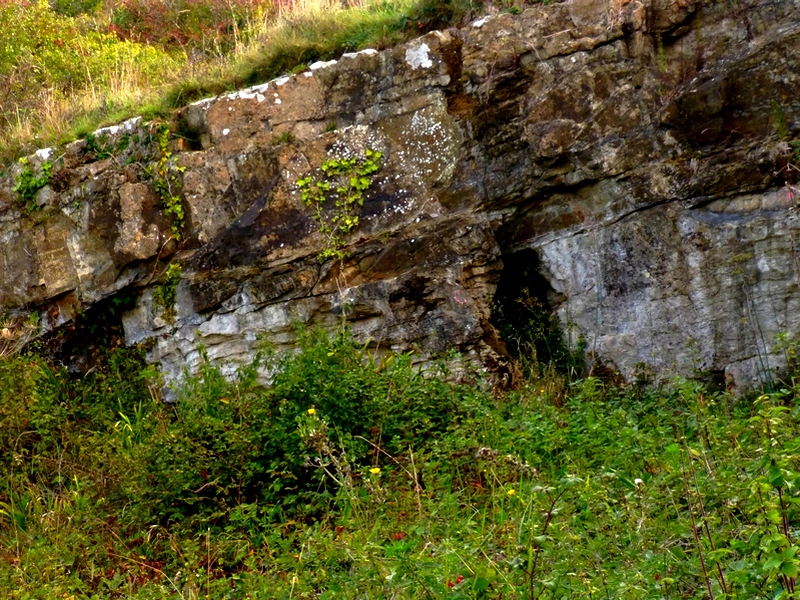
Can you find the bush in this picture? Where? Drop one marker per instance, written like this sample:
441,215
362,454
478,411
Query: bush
73,8
44,52
227,443
357,477
206,24
45,413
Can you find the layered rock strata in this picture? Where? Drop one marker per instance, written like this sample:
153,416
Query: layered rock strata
642,153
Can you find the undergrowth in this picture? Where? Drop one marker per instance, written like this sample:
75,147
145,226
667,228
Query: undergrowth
356,476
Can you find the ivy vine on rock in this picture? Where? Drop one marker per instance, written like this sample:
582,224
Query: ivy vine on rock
342,185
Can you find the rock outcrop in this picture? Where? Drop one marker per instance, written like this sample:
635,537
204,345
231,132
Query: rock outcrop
642,153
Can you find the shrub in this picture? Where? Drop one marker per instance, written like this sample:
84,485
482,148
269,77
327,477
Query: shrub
43,52
227,443
73,8
357,477
206,24
45,413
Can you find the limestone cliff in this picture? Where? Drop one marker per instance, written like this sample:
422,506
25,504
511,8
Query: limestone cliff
638,156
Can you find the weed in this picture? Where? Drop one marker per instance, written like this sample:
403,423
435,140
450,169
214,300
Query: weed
358,476
29,183
166,182
344,182
779,118
97,147
285,138
795,151
166,294
661,54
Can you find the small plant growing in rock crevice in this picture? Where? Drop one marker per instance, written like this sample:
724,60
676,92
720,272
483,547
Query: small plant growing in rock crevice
30,183
97,146
165,181
344,182
166,294
284,138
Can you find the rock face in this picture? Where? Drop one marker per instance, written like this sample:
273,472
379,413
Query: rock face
642,153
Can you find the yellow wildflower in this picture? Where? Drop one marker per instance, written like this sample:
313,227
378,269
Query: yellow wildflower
374,470
312,411
511,492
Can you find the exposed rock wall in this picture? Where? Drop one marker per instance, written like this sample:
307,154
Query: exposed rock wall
642,148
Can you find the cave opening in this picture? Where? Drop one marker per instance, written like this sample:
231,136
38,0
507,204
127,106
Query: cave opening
523,314
83,344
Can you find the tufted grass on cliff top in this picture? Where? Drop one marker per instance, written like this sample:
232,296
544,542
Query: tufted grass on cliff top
67,75
321,30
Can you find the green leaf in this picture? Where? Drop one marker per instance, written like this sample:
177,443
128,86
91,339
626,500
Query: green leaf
776,477
673,451
480,584
774,562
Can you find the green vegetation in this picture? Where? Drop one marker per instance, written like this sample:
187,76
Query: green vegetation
98,147
166,294
344,183
70,66
29,183
61,75
284,138
354,476
166,183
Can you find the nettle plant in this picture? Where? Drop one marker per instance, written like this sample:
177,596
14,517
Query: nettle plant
343,184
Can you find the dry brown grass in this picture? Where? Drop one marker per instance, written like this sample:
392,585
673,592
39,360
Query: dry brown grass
270,42
14,335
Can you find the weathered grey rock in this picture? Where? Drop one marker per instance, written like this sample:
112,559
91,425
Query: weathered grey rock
643,149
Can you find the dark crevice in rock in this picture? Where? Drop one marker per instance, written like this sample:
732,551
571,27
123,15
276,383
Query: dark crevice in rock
523,314
676,29
639,209
82,343
189,133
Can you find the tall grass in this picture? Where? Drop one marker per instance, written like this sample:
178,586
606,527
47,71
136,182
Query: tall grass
115,73
353,477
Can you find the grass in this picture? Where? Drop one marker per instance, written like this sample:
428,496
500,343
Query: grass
109,80
353,477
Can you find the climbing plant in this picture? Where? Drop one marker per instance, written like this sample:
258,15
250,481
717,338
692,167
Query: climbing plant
166,294
343,183
166,182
